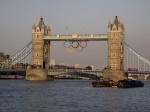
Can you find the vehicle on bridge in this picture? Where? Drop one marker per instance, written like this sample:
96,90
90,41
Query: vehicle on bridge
132,69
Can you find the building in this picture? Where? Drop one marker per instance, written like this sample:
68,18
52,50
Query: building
115,68
52,62
40,48
76,66
115,45
3,57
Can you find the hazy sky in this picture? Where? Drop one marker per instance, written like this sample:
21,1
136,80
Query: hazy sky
18,16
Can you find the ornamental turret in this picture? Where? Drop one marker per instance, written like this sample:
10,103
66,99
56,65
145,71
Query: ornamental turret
109,26
48,30
119,27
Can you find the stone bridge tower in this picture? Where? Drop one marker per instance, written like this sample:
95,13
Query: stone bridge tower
40,48
115,68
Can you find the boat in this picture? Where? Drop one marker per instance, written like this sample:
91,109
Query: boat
128,83
125,83
84,78
101,84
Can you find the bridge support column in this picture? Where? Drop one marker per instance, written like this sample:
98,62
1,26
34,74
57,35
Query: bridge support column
115,66
40,52
113,75
34,73
40,47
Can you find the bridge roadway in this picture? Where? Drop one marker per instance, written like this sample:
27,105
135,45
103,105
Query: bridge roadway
12,74
22,72
137,72
12,70
75,36
94,72
69,71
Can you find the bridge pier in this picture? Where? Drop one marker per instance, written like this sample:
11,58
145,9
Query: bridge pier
37,74
40,53
114,75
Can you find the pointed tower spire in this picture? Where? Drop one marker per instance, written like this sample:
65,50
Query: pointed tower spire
41,17
41,22
116,13
42,25
33,27
109,24
116,20
49,27
119,24
48,30
122,25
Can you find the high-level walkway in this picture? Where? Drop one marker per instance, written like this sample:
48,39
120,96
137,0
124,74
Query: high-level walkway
75,36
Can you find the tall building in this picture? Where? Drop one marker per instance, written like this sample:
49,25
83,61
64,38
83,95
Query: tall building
3,57
115,45
40,48
52,62
92,67
76,66
115,68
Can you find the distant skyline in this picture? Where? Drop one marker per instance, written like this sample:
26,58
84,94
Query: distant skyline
80,16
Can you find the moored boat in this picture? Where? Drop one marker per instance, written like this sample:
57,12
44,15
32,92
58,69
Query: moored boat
127,83
101,84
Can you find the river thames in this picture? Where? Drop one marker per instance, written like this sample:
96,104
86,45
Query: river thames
71,96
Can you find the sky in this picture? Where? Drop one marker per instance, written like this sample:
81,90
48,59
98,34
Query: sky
88,16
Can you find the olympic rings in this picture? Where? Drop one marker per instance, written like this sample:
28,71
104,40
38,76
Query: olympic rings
79,49
70,48
68,43
83,41
75,45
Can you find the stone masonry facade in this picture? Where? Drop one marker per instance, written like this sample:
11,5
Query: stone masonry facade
40,48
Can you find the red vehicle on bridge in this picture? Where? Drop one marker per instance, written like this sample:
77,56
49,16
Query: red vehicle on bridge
132,69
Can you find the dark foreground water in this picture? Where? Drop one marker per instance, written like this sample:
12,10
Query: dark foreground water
70,96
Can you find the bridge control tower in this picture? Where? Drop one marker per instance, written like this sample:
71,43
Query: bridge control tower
115,68
40,52
40,47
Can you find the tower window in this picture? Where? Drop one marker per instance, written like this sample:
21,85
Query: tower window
36,61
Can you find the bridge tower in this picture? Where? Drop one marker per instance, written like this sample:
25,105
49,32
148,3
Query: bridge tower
115,68
40,48
40,53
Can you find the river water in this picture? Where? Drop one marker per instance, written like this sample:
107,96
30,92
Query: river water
71,96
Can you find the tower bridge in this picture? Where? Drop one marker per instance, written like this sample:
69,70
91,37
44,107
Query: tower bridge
41,38
39,47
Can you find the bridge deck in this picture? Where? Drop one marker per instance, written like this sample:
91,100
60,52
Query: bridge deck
87,37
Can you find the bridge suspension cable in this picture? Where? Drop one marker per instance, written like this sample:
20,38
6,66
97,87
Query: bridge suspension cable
19,59
135,60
